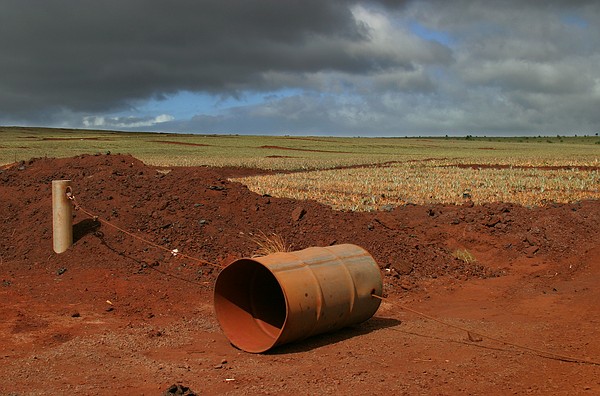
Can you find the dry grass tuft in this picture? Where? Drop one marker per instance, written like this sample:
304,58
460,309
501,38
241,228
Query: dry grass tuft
464,255
269,244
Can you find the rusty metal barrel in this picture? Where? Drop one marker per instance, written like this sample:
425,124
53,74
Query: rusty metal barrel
264,302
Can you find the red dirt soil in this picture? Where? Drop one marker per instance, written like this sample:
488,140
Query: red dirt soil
73,138
113,315
300,149
180,143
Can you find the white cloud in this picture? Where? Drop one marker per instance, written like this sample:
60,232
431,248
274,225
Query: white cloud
388,38
129,122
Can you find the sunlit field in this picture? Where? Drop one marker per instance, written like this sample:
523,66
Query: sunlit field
431,181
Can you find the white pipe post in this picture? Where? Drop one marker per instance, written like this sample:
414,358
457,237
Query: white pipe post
62,216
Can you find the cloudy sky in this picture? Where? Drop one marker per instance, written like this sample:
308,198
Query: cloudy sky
299,67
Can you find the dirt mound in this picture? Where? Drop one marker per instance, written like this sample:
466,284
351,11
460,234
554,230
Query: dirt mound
200,213
112,296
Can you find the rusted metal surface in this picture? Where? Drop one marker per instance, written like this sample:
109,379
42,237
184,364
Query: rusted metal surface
283,297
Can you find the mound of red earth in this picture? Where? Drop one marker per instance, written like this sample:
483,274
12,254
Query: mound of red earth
117,313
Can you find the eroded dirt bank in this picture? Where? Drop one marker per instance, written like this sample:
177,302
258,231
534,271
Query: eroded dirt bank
534,283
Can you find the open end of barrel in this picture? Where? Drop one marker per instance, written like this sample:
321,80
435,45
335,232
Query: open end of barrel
250,305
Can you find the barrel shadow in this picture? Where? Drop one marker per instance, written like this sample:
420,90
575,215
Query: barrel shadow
321,340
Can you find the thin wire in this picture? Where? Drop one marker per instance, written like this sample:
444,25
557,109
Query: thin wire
174,252
538,352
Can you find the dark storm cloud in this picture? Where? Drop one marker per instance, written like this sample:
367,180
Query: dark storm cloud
304,66
96,56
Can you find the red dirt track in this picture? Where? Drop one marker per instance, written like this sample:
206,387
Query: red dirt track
114,315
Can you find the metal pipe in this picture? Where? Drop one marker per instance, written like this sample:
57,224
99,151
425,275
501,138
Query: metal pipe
268,301
62,216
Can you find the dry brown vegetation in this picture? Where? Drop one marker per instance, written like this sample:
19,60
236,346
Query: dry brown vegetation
424,182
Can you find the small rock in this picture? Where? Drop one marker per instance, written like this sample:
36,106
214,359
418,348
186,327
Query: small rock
203,222
180,390
387,208
405,284
493,221
110,309
298,213
402,267
504,209
531,251
172,389
61,271
468,204
216,188
473,337
75,315
224,361
370,226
